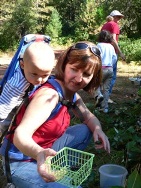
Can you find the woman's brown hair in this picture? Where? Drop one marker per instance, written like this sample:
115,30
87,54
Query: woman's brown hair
84,58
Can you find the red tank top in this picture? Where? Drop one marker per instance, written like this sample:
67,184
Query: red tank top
50,130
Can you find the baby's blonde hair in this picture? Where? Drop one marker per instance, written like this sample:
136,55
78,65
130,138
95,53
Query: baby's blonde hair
40,54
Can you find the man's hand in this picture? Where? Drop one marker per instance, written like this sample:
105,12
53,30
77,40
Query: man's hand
122,56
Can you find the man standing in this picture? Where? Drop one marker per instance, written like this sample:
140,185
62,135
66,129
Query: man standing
113,27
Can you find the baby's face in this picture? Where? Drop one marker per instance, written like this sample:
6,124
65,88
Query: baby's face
36,75
38,62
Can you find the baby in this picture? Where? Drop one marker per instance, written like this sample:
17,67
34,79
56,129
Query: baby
34,69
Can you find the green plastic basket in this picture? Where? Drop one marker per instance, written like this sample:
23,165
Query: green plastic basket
70,166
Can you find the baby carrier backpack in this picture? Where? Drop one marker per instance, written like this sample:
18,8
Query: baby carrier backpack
14,64
24,43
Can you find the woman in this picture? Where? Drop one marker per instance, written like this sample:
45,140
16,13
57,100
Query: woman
79,67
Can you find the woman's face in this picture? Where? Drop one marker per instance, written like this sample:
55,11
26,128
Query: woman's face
76,79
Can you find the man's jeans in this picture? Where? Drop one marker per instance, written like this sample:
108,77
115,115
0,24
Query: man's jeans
114,77
106,83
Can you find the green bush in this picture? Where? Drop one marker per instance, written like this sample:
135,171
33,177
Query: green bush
131,48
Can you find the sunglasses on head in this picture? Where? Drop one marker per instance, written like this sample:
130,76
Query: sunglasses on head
84,46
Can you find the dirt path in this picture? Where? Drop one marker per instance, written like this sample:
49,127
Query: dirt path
124,90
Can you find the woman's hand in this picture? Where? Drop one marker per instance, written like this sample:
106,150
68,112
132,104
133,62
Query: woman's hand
42,166
101,140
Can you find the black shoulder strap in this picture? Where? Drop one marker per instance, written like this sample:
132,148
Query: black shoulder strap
7,166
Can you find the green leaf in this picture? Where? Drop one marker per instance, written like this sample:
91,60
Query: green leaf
139,92
116,130
134,180
131,129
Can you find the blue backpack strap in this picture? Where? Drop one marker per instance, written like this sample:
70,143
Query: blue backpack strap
24,43
70,105
58,88
61,101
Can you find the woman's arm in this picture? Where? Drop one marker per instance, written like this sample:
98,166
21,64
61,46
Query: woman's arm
35,115
94,125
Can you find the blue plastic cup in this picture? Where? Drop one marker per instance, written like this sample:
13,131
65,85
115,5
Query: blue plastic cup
112,175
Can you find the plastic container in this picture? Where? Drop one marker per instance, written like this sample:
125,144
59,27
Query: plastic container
70,166
112,175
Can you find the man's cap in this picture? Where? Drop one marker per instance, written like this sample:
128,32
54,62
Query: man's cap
116,13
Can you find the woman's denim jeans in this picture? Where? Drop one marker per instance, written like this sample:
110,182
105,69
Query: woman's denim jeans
25,174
